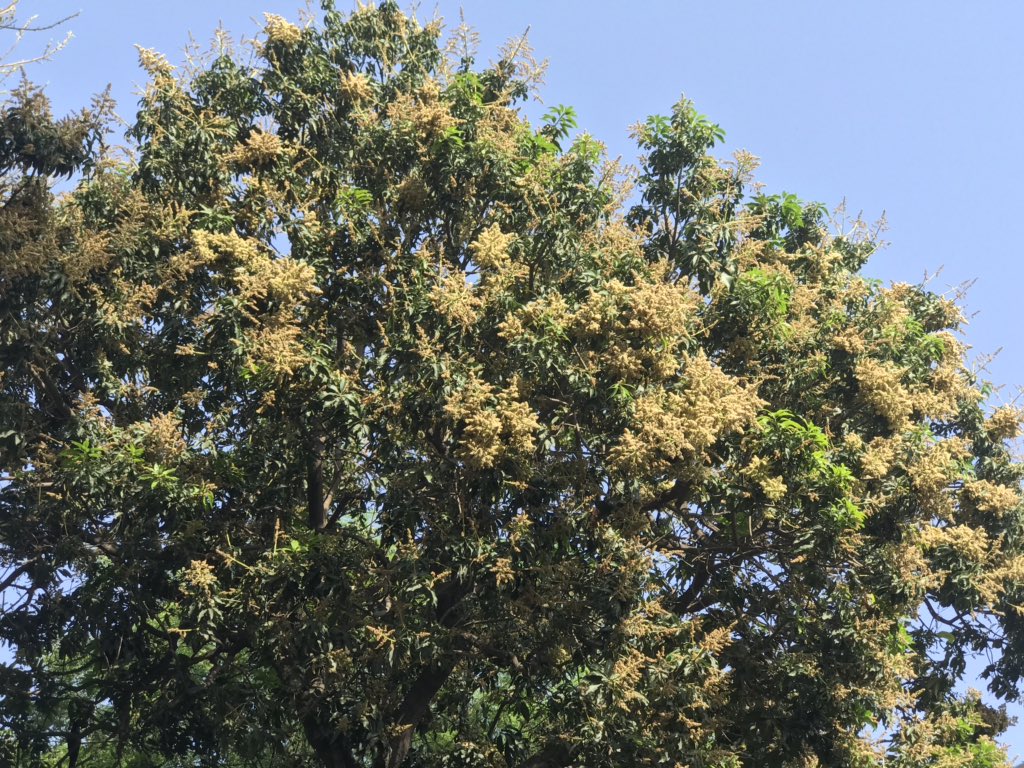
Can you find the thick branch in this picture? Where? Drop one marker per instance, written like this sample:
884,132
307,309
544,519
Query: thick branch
412,711
330,746
16,574
416,705
556,755
679,492
52,395
694,598
317,512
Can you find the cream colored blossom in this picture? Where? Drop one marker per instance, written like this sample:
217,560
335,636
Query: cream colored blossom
284,280
197,579
628,668
422,114
503,572
992,498
162,437
129,302
773,486
260,148
850,342
877,458
155,64
256,273
271,289
453,297
355,86
671,425
496,425
490,249
636,331
882,390
932,474
1004,423
280,30
276,346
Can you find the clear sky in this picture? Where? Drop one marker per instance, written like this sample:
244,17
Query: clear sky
913,108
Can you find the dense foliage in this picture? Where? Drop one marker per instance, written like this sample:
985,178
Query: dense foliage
351,418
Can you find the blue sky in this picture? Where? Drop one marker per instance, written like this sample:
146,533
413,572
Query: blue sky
913,108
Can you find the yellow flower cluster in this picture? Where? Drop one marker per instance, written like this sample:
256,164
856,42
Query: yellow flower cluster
128,303
972,544
547,314
983,558
877,458
490,249
94,249
259,149
992,498
1004,423
280,30
673,425
453,298
496,425
162,437
773,486
932,474
503,572
627,671
422,114
500,130
635,331
276,346
260,279
355,86
197,579
284,280
154,64
881,389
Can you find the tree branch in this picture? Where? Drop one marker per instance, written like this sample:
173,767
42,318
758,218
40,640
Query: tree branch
412,711
555,755
331,746
417,701
317,513
51,391
16,574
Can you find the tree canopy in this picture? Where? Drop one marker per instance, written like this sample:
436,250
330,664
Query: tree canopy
348,418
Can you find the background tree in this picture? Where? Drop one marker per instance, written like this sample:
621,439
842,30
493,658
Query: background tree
353,417
20,27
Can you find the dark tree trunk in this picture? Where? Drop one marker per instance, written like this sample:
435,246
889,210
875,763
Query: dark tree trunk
330,746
